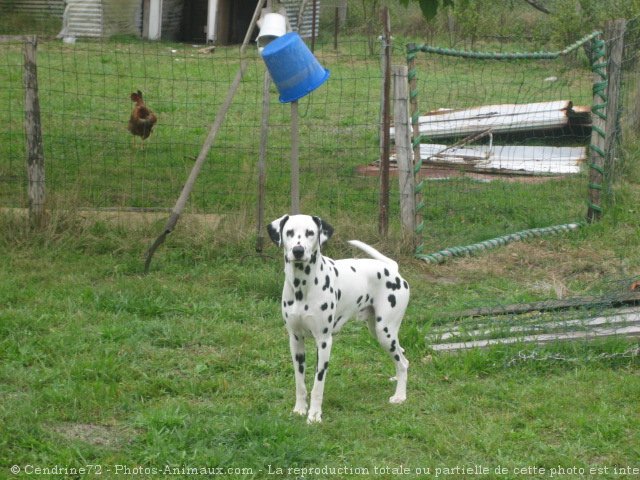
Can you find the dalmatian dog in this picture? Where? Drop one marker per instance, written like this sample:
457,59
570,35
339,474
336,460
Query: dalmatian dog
321,294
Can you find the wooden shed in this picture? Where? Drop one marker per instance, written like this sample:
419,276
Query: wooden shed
221,22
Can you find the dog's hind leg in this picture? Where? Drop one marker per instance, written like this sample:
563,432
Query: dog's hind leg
296,345
387,335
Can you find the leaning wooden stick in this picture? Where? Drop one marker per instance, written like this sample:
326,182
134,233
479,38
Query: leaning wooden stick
204,151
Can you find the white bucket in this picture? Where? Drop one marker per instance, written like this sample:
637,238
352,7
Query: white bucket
272,26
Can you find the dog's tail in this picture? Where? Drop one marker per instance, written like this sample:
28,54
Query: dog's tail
372,252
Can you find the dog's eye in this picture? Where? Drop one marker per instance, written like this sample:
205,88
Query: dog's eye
289,233
310,233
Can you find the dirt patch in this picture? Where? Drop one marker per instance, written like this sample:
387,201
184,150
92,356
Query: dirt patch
129,218
97,435
437,172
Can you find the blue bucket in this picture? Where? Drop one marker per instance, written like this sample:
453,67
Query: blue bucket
293,68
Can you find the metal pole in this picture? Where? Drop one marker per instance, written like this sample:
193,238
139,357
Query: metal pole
295,166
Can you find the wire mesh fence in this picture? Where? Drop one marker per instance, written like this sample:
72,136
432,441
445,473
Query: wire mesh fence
506,138
93,162
471,195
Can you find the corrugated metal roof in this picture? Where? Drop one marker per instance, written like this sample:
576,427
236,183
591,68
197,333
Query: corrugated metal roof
293,9
37,8
82,18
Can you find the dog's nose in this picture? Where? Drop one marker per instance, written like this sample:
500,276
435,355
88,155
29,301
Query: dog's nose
298,252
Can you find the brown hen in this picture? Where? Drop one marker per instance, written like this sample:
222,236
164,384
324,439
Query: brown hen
142,119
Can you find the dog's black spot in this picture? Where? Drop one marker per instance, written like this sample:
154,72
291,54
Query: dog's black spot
379,275
385,330
304,282
322,267
284,304
366,299
352,268
299,266
324,345
289,233
337,321
326,330
359,300
378,319
296,337
300,358
327,283
336,270
324,306
331,319
331,305
296,282
290,302
331,290
306,307
394,286
392,300
314,257
307,269
386,272
397,357
299,295
316,280
332,262
393,346
309,233
322,372
405,284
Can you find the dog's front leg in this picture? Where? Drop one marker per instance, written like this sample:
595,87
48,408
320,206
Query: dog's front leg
324,352
296,345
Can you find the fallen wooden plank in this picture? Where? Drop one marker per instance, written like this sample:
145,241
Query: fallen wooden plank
627,316
503,118
633,330
508,158
617,300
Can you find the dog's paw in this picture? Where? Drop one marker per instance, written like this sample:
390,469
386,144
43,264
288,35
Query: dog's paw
397,399
300,409
314,417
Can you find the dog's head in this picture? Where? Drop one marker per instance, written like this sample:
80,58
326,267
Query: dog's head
300,236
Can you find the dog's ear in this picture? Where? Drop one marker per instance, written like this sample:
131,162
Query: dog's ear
275,229
324,228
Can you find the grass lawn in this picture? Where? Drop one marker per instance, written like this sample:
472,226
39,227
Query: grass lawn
189,367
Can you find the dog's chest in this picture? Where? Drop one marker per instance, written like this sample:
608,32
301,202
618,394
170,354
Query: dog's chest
324,295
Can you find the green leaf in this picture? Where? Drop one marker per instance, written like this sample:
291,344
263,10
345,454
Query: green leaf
429,8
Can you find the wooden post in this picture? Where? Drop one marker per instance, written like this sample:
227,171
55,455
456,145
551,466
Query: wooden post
599,119
614,37
404,152
336,28
415,111
415,140
262,160
295,165
383,218
35,150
